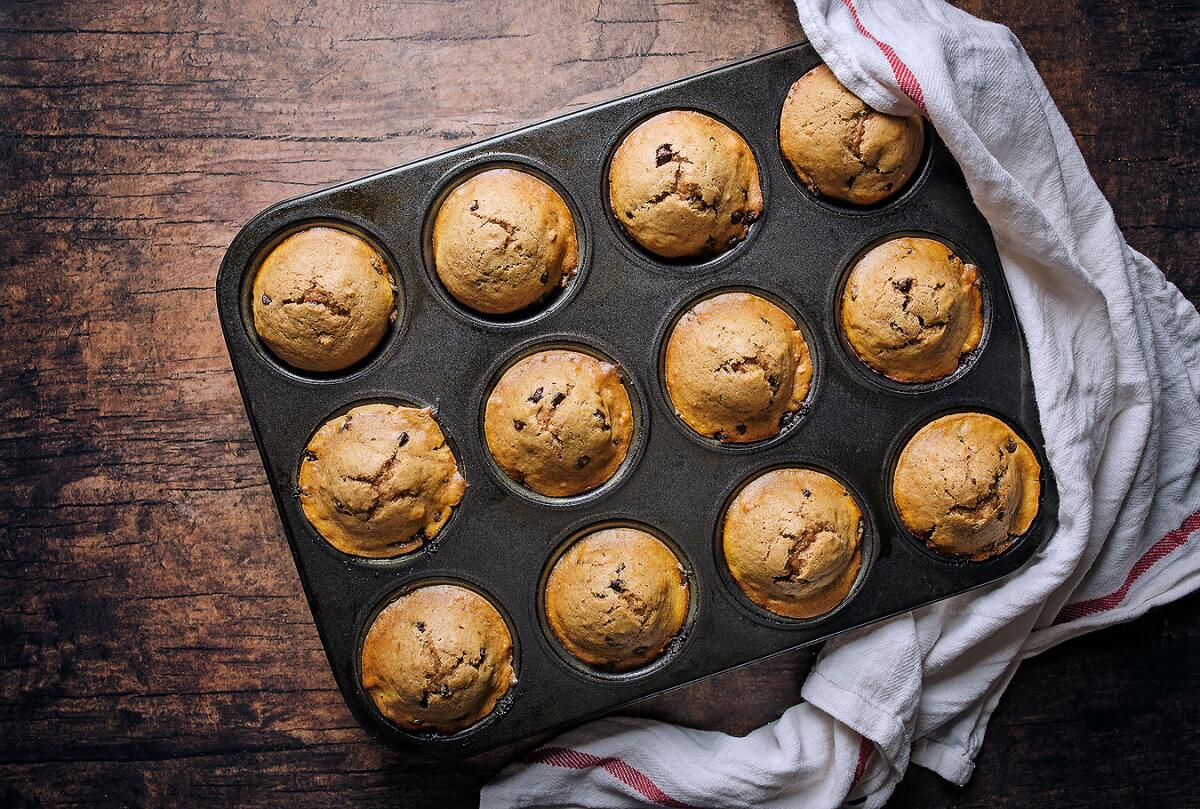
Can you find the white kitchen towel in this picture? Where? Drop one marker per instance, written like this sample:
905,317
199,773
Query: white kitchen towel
1115,355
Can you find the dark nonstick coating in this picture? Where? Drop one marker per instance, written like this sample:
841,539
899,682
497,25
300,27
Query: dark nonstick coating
622,304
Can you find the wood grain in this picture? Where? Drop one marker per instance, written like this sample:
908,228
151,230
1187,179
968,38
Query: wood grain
155,647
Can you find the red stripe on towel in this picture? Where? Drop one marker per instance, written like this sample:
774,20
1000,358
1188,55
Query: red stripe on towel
905,77
619,769
865,748
1170,542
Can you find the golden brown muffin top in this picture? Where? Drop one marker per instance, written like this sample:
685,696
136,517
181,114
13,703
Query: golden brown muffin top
503,240
437,658
793,542
684,185
840,147
911,309
379,480
617,598
736,365
322,299
559,422
967,484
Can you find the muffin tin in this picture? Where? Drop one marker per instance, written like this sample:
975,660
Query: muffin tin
501,540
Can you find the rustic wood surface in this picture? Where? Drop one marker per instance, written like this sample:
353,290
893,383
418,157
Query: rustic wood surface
155,647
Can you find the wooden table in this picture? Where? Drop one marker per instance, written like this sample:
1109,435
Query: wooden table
155,647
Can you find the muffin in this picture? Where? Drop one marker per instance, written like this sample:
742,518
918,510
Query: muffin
503,240
842,148
911,309
379,480
967,485
684,185
737,367
617,598
437,658
322,300
559,422
793,542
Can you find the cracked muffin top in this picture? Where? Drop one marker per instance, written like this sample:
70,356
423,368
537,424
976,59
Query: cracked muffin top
617,598
438,658
322,299
737,367
793,542
559,422
684,185
504,240
967,485
840,147
379,480
911,309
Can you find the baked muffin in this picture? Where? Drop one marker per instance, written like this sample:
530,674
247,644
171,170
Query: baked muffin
793,542
842,148
968,485
503,240
323,299
559,422
911,309
737,367
379,480
617,598
684,185
437,658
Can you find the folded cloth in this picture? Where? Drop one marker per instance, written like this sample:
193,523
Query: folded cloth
1114,351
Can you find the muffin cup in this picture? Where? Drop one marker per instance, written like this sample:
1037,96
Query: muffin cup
356,226
637,403
537,310
889,472
869,375
793,420
653,261
572,662
434,737
430,545
868,550
842,208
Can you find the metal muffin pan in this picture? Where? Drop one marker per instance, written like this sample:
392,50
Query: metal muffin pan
621,304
